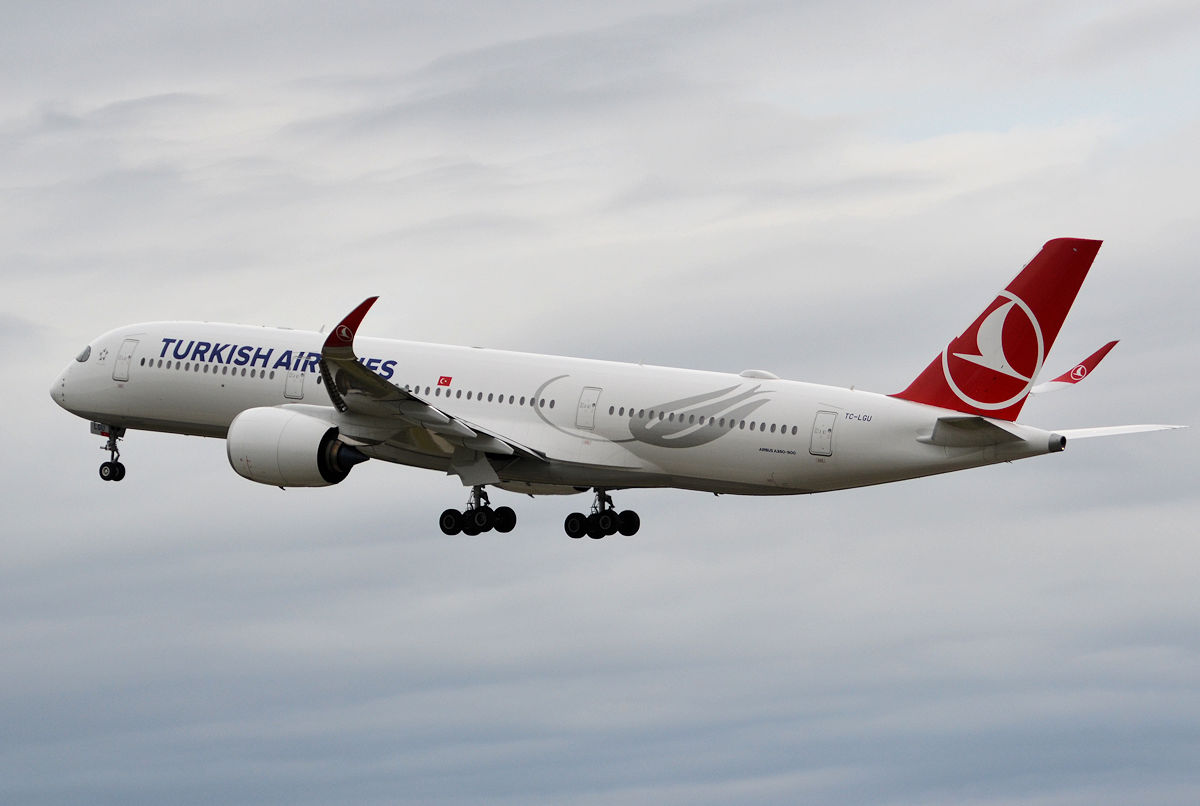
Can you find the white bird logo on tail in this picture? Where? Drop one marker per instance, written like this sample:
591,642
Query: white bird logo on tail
989,341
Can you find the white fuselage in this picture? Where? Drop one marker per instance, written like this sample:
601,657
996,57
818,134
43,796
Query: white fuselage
596,423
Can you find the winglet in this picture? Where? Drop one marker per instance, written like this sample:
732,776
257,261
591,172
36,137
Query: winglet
1077,373
342,336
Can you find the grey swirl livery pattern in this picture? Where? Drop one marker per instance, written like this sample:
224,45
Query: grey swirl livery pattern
696,420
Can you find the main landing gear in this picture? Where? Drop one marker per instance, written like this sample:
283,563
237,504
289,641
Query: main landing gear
604,520
478,516
111,470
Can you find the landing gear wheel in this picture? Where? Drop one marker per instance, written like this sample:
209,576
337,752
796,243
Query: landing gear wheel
451,522
594,530
482,518
575,525
506,519
606,522
469,527
112,470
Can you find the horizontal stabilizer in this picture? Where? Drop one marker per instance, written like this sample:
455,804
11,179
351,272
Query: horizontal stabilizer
1114,430
968,432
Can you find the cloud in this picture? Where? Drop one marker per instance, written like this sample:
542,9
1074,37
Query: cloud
826,191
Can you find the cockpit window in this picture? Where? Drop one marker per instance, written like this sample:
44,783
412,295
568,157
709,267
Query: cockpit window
87,352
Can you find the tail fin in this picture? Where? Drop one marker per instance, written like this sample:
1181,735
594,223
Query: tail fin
990,368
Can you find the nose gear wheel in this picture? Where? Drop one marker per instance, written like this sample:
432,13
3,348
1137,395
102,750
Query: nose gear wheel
113,470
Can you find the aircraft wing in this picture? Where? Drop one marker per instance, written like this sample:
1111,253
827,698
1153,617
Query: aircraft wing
375,406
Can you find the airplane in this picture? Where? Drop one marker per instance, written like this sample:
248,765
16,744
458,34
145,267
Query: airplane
301,409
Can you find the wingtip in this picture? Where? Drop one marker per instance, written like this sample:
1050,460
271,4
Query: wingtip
343,334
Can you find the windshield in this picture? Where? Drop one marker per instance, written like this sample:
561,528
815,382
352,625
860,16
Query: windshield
87,352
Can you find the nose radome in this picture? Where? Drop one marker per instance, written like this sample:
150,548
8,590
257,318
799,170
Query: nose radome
58,389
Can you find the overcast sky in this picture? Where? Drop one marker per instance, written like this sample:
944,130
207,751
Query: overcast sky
830,191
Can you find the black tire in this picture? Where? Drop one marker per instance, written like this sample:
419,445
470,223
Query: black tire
506,519
575,525
483,518
451,522
606,521
108,471
593,527
628,523
120,474
469,528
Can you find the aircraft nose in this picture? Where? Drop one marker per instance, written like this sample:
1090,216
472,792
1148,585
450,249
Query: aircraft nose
58,389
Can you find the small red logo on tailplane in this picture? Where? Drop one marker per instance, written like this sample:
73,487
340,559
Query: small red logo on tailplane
444,380
1079,373
345,333
994,363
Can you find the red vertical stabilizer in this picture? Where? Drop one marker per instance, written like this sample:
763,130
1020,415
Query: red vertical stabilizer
990,368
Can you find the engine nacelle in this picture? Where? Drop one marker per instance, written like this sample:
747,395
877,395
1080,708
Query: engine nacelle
285,448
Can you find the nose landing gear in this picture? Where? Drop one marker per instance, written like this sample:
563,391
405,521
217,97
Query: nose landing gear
604,520
478,516
112,470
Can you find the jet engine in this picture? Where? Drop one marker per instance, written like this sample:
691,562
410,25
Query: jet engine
286,448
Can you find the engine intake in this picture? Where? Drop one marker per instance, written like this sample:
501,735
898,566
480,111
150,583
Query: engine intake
285,448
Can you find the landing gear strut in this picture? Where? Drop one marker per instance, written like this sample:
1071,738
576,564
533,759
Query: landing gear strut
478,516
604,520
112,470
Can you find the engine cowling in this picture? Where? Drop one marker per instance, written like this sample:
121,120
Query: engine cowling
286,448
